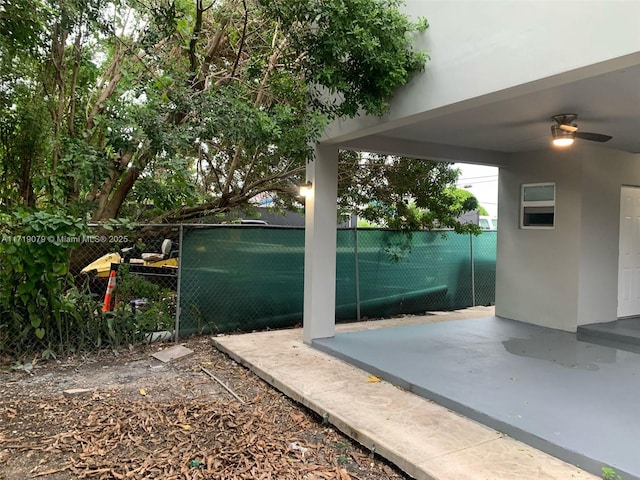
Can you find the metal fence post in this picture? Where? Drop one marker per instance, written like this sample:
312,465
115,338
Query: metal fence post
473,272
178,288
357,270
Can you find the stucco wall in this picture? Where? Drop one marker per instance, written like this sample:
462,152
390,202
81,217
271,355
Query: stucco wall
567,276
536,271
510,43
604,173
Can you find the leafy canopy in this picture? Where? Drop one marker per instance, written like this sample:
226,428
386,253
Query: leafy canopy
404,194
170,110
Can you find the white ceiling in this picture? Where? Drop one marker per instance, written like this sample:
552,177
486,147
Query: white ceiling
607,103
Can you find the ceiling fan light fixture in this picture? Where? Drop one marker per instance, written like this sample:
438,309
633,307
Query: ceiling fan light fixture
562,138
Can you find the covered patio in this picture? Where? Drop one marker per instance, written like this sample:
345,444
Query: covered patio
573,399
568,246
543,389
568,242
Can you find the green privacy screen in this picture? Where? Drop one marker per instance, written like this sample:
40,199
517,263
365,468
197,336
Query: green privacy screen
248,278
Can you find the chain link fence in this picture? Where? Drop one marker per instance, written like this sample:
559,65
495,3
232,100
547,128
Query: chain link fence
251,277
149,282
148,253
95,289
133,275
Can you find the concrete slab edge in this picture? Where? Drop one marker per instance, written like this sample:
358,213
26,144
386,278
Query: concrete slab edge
333,418
609,338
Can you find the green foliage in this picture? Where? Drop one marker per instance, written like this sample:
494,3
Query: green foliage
404,194
154,313
482,211
609,473
43,310
362,223
359,51
171,110
91,328
84,322
25,143
21,24
34,276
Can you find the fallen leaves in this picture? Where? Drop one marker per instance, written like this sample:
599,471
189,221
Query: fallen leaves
343,475
170,431
185,439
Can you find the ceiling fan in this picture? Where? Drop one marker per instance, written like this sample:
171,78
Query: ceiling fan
565,131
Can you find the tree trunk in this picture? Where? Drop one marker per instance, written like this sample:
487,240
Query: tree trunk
26,187
112,207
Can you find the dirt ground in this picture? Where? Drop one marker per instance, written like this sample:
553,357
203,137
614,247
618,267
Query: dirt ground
140,418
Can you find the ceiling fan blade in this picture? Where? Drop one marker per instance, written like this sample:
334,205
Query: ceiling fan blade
568,128
594,137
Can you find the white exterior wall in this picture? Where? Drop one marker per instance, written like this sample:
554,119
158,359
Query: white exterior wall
567,276
483,53
536,270
605,172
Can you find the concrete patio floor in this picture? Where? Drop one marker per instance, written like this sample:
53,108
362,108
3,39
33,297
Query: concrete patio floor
490,361
575,400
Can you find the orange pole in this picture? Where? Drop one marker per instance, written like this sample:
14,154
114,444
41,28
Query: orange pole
110,286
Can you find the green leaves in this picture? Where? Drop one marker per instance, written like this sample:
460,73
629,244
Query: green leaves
358,50
154,109
34,265
403,194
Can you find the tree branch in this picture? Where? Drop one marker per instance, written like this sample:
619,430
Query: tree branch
58,44
77,51
114,74
258,101
273,60
242,38
277,176
266,184
195,34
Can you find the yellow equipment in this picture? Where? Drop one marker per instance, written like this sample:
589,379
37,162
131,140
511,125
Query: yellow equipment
164,259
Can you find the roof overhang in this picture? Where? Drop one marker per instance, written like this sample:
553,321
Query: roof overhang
497,73
488,129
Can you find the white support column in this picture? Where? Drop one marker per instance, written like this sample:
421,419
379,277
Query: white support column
320,245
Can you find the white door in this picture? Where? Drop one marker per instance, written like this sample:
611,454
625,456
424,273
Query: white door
629,259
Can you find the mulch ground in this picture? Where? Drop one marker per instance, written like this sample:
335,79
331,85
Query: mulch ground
137,418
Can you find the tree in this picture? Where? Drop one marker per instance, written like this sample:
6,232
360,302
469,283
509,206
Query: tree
192,107
404,194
